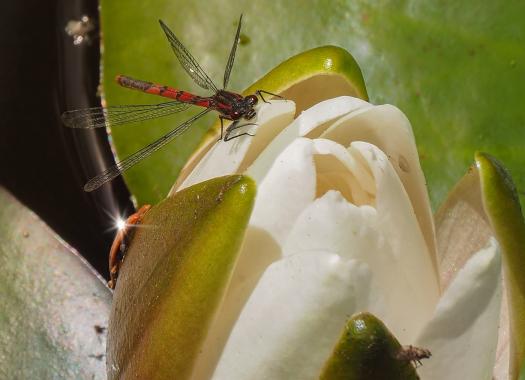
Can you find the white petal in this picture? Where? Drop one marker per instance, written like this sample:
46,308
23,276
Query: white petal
398,223
339,169
311,123
287,189
306,169
294,317
462,229
259,251
462,335
234,156
332,224
327,111
502,363
387,127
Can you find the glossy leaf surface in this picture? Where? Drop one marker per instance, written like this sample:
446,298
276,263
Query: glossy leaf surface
55,308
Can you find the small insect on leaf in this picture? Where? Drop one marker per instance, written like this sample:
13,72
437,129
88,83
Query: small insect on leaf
117,252
413,354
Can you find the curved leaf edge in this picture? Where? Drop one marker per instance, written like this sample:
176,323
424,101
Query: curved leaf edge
502,206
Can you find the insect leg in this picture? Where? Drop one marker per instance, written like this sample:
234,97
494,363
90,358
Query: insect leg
221,118
234,127
239,135
261,92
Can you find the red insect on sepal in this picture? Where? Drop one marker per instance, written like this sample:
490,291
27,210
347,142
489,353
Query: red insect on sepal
117,252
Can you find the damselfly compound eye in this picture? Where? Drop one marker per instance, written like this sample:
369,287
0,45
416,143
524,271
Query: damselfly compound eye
252,100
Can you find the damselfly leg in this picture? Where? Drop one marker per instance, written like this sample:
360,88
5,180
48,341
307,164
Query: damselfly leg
261,92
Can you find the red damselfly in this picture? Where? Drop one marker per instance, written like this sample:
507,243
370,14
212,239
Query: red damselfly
230,106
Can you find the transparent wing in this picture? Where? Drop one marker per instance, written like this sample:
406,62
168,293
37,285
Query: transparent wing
100,117
231,59
188,62
128,162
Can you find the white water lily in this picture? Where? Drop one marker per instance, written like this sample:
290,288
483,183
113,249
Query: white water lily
342,224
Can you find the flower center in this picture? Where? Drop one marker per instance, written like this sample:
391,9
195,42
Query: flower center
352,179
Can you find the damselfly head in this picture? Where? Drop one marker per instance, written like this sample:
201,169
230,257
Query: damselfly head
251,100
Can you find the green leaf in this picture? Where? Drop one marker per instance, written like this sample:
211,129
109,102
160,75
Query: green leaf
173,278
367,350
55,308
457,71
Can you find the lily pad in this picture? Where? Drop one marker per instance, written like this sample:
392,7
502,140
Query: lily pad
55,308
173,278
456,71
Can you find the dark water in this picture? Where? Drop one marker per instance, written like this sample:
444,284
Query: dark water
45,165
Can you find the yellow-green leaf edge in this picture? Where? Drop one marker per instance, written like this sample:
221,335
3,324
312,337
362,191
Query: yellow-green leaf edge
501,203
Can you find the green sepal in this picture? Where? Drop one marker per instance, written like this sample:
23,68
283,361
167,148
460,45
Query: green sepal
502,205
173,278
367,350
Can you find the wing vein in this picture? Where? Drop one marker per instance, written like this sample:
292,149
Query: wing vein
187,61
231,58
99,117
